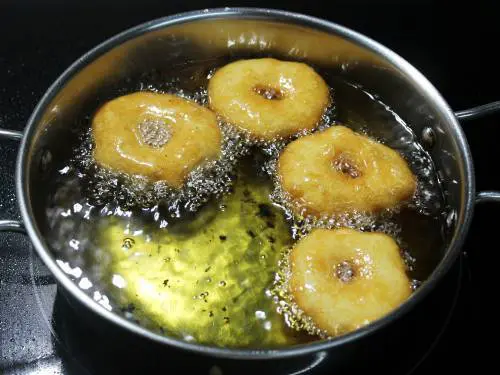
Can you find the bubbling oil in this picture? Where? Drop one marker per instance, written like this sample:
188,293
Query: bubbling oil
210,179
209,263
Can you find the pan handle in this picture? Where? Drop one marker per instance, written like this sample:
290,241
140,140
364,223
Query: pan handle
472,114
11,134
488,196
479,111
11,225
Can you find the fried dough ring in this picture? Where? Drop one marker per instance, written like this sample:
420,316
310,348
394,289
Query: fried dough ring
160,136
344,279
337,171
268,98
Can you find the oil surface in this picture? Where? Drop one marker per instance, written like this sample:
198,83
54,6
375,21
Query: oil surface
208,263
205,279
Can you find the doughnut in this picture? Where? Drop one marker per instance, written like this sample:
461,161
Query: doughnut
160,136
344,279
267,98
337,171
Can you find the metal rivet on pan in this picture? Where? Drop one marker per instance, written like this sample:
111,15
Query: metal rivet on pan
45,160
451,218
428,137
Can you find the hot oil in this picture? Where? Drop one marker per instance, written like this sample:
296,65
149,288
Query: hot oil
208,263
204,278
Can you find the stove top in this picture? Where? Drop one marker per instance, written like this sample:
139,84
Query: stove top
40,333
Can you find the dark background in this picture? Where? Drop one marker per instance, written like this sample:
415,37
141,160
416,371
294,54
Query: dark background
457,52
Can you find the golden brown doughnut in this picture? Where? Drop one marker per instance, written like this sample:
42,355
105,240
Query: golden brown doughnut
337,170
269,98
344,279
160,136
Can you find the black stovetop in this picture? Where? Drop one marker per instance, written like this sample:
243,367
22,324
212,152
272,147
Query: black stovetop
39,334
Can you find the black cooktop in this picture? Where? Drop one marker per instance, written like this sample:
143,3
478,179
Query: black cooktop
39,331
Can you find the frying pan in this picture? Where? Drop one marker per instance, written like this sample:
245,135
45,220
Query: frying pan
50,136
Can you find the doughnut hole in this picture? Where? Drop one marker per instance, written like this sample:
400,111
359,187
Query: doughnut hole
154,132
268,92
345,271
343,164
